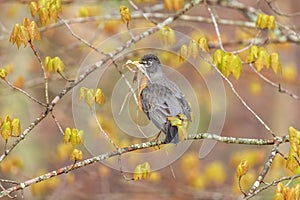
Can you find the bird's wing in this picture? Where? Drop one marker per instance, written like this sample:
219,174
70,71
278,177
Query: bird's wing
181,98
159,102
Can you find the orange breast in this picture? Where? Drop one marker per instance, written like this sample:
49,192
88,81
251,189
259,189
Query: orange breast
142,86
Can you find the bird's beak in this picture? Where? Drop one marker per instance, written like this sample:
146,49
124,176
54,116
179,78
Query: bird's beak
140,65
132,64
136,62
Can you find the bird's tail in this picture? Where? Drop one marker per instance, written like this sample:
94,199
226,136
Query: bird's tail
171,134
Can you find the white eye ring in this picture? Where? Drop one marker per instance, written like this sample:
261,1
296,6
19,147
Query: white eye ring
150,62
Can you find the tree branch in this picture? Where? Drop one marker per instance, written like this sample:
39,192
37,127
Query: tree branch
136,147
240,98
278,86
273,183
266,168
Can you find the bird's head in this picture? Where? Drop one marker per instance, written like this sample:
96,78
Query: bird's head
151,65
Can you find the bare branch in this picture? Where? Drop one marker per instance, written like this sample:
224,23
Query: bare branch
114,16
266,168
24,92
128,84
273,183
136,147
278,86
276,10
57,124
143,13
76,36
43,69
240,98
216,27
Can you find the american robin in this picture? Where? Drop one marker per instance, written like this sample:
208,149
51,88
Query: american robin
161,98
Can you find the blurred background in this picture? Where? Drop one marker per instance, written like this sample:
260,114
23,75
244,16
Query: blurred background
185,173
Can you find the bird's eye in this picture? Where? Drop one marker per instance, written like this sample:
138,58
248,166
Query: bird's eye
150,62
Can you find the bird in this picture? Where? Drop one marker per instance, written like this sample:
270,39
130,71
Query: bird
160,98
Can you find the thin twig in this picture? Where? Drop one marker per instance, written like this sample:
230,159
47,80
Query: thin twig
297,159
106,135
83,40
91,40
278,12
240,185
65,78
216,27
8,181
253,41
128,84
43,69
3,28
24,92
278,86
76,36
80,40
57,124
143,13
282,155
273,183
124,102
129,30
240,98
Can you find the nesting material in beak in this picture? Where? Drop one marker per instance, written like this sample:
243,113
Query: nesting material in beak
139,65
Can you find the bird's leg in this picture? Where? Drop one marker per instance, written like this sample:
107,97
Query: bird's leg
156,138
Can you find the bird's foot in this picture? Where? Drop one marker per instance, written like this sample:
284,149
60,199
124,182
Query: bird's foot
156,139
